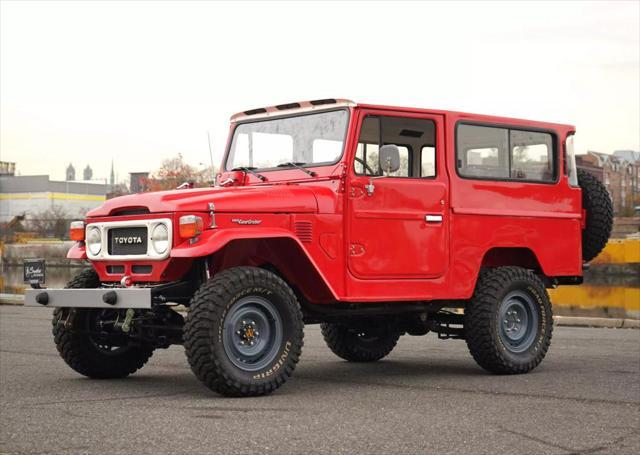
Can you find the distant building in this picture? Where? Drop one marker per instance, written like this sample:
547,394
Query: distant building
34,194
627,155
138,181
7,168
71,173
620,173
630,160
112,176
87,174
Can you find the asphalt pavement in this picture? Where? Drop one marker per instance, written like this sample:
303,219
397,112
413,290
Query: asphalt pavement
428,396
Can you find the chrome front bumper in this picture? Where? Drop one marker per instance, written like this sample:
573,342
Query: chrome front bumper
89,298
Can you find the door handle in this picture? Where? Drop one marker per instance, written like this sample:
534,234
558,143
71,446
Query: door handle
433,218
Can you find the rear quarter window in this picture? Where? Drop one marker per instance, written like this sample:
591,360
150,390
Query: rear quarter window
483,152
487,152
531,156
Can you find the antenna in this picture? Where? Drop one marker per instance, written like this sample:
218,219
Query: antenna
211,157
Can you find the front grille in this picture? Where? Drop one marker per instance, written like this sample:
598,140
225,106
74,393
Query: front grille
115,269
141,269
128,240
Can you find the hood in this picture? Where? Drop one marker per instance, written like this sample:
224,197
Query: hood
255,199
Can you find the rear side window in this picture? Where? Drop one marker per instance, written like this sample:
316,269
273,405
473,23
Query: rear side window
483,151
531,155
504,154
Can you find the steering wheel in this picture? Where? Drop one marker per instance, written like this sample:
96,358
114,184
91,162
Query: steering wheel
366,166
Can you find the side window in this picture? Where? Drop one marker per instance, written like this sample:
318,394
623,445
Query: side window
366,159
428,161
483,151
368,153
504,154
405,163
531,156
408,134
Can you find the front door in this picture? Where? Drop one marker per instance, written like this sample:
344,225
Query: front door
398,225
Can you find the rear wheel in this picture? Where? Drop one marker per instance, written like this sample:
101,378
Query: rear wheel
243,334
508,323
85,342
365,343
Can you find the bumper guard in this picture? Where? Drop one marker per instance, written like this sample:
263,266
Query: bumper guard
89,298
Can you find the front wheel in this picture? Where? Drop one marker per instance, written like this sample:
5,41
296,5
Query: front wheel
86,343
508,323
243,334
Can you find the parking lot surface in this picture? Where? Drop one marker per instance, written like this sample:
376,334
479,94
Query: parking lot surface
428,396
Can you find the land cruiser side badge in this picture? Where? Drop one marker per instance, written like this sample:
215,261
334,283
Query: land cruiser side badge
241,221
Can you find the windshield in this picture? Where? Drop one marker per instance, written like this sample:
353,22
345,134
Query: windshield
304,140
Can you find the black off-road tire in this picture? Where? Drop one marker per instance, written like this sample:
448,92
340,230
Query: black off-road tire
205,332
482,321
599,209
80,352
359,344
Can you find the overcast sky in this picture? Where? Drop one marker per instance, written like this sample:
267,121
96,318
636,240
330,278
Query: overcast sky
88,82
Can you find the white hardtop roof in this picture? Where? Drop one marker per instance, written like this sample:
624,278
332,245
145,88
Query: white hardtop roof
292,108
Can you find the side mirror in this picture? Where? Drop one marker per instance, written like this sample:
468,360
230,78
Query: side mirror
389,156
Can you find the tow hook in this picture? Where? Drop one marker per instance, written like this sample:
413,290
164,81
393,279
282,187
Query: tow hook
126,324
68,322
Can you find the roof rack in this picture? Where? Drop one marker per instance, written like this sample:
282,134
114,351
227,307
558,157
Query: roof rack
292,108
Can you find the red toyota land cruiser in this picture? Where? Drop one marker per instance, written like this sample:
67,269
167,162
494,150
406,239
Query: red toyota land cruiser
373,221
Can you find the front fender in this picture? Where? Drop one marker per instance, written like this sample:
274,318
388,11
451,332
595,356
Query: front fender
77,252
213,240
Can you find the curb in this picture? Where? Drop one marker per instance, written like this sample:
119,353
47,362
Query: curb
11,299
610,323
566,321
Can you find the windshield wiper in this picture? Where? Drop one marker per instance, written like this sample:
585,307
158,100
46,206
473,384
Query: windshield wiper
250,170
298,166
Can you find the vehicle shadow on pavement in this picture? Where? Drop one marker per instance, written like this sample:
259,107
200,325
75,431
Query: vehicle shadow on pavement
390,368
163,380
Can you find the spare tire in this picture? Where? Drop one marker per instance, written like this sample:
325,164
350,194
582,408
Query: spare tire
599,212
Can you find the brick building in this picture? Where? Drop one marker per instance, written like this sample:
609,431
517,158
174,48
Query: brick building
620,173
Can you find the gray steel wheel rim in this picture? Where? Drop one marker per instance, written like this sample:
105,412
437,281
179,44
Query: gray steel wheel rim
261,315
518,321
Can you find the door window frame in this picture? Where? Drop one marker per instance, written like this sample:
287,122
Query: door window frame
439,143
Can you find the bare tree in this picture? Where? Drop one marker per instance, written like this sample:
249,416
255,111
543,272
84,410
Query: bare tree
53,222
174,172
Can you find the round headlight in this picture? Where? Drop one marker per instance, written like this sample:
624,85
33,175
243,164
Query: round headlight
94,241
160,238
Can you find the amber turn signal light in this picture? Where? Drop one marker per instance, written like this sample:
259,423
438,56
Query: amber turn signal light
76,231
190,226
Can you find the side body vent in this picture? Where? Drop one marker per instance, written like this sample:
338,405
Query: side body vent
304,231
